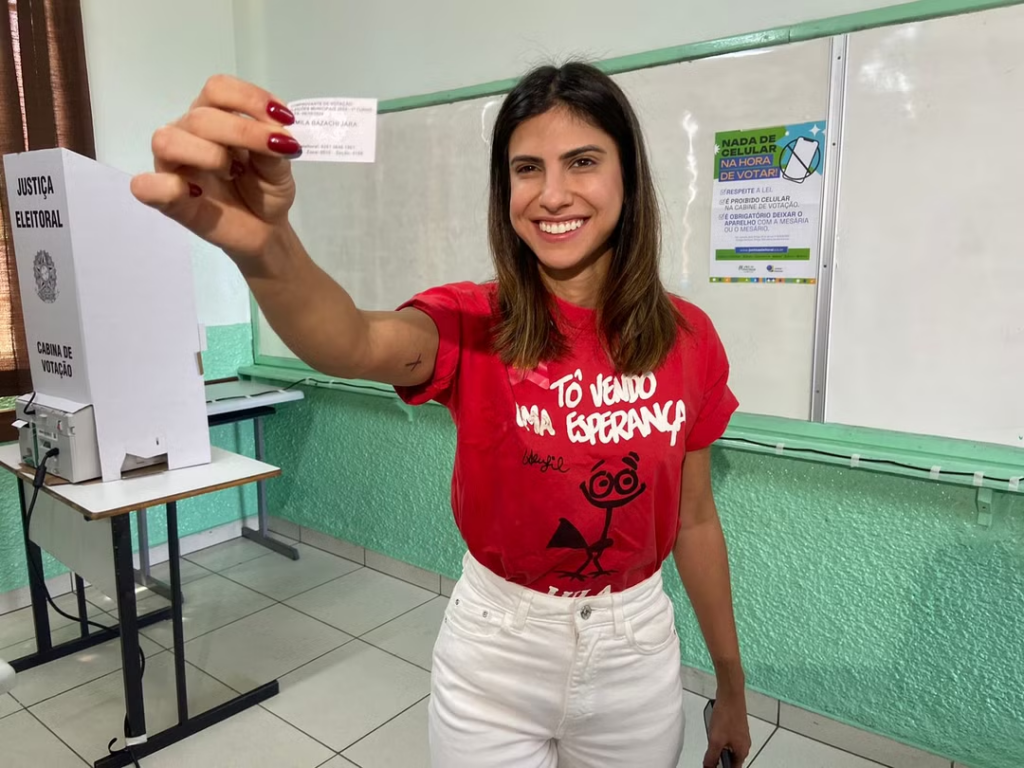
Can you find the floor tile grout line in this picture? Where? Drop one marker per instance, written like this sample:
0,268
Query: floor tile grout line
869,760
359,637
331,581
64,625
353,636
433,595
249,615
233,621
50,730
284,538
292,597
764,746
399,616
89,682
377,570
855,754
405,581
284,602
293,725
210,631
841,749
349,559
388,722
395,655
73,750
349,639
337,578
262,705
775,728
147,597
281,602
242,562
321,621
118,671
305,664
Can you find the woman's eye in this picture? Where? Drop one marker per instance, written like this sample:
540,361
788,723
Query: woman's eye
526,169
583,162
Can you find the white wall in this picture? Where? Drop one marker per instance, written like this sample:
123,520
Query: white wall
391,48
147,61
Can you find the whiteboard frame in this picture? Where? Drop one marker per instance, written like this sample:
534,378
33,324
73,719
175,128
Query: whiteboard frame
827,227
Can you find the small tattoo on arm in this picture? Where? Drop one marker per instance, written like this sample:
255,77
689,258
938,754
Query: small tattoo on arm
415,363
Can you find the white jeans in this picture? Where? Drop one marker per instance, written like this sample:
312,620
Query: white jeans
526,680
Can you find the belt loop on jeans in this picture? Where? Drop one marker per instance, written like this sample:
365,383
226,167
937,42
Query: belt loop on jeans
523,609
618,617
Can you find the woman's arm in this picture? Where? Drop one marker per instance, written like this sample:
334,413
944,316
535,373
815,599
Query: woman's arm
321,324
703,566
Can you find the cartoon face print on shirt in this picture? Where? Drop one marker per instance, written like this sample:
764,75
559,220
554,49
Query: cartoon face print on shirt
608,491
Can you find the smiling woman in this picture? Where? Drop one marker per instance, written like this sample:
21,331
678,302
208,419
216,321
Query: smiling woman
572,194
568,509
44,102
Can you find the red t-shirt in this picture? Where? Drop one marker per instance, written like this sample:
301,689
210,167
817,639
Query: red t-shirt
567,478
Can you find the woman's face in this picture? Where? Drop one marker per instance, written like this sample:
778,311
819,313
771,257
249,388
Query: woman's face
566,198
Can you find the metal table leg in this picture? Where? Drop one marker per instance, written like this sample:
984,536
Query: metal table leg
177,621
262,536
83,609
37,589
142,576
124,572
188,725
45,650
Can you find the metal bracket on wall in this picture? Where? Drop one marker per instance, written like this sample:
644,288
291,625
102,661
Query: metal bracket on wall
985,500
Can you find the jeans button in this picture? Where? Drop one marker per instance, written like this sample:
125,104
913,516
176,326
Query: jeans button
585,613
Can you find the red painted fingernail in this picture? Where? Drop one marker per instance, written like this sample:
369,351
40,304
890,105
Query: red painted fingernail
237,168
284,145
281,113
194,190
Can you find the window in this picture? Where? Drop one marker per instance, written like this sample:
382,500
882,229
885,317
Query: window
44,102
14,377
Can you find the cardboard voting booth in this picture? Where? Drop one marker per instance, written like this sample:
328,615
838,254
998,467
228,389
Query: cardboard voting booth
110,318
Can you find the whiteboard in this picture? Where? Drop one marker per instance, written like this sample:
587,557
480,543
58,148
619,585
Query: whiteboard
417,217
927,332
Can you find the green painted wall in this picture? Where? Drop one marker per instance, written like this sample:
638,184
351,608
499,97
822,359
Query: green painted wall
872,599
228,348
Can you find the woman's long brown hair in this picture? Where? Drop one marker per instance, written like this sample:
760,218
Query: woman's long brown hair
638,322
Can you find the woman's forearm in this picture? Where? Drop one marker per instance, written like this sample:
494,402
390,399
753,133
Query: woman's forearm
308,310
703,565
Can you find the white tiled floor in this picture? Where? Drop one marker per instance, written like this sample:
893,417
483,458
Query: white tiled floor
350,646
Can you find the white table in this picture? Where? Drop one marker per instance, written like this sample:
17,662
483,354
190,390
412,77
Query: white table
236,396
228,402
231,401
91,511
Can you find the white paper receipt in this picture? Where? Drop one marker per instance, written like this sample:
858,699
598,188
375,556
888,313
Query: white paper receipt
335,130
